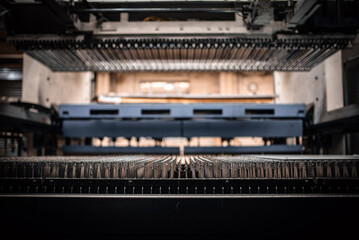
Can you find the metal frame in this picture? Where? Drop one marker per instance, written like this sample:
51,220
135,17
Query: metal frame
277,148
92,37
176,128
181,111
92,150
196,53
24,118
174,28
19,118
341,121
179,186
272,121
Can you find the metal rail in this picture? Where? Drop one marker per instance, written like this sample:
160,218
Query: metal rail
138,9
193,54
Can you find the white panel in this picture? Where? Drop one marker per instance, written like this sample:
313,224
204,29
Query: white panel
302,87
334,81
323,86
42,86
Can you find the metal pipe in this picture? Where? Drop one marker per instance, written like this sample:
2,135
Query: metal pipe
119,10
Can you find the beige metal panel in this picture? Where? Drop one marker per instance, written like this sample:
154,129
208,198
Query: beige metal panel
228,83
176,27
302,87
209,98
255,83
42,86
126,83
200,83
322,86
102,83
334,81
204,83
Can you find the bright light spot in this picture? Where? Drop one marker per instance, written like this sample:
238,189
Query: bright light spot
169,87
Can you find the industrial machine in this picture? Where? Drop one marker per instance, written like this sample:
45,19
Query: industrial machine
301,181
158,121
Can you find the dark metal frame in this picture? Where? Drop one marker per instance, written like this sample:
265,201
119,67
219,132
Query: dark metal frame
19,118
341,121
270,121
177,128
179,186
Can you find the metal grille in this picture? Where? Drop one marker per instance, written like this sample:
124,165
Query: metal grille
180,175
187,54
167,167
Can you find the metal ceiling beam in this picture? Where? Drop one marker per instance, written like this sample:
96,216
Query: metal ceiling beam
119,10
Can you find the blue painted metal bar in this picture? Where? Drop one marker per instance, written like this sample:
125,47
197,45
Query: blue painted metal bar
243,128
177,128
73,149
118,128
183,120
182,111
